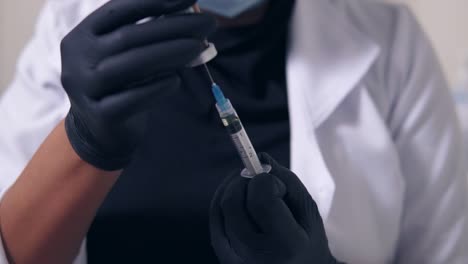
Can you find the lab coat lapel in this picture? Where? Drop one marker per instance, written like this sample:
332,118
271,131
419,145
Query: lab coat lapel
327,59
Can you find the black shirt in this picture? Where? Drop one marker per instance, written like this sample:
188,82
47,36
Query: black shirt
158,210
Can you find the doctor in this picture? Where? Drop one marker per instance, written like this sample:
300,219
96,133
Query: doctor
346,93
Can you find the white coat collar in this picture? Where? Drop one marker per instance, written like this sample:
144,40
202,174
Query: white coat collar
328,56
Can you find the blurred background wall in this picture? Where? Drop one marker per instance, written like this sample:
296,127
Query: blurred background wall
445,21
17,18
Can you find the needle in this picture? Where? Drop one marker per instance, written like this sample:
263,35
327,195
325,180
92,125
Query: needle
209,73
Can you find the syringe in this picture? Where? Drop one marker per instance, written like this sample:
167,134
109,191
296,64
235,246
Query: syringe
239,136
229,116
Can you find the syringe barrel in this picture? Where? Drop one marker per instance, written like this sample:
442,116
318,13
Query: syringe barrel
241,141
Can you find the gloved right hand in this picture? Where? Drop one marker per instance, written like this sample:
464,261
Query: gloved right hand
114,71
270,218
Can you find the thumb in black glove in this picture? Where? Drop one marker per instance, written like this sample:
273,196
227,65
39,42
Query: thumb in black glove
268,219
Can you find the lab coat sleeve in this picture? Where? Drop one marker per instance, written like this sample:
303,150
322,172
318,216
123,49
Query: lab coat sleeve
33,104
429,144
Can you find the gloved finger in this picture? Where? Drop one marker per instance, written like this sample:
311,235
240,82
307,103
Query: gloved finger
197,26
117,13
238,224
139,64
297,198
219,238
268,210
137,99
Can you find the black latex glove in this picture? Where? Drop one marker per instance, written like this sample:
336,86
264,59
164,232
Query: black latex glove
268,219
115,71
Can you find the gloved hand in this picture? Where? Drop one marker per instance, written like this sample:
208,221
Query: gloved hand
115,70
268,219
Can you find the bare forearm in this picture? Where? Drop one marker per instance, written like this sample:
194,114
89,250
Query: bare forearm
47,212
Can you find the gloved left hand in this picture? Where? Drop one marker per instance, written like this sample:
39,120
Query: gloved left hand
268,219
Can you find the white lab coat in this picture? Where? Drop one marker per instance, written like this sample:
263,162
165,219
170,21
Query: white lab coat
374,133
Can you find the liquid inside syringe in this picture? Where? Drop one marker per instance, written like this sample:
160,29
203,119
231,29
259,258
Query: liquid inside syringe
239,136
